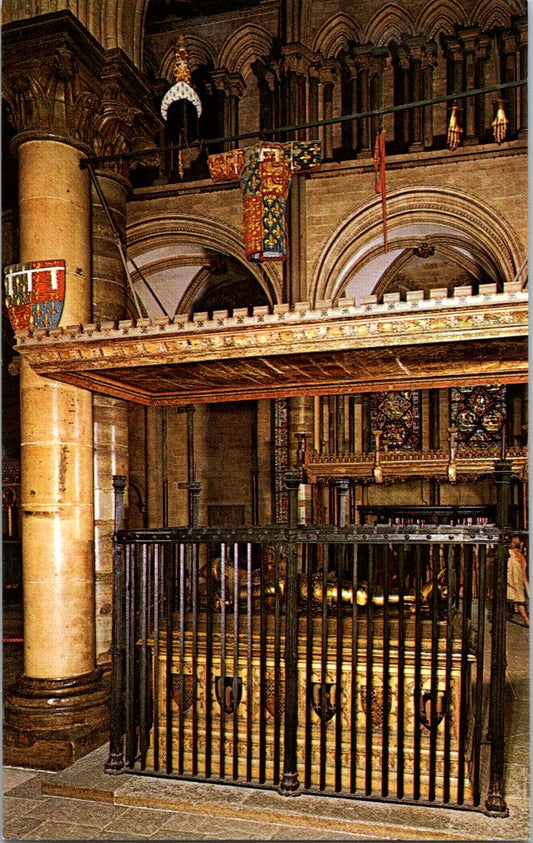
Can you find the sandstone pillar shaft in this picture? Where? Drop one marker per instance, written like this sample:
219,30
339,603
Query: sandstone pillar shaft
56,427
110,415
57,710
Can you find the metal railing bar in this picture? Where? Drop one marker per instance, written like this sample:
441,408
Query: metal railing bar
480,667
181,653
309,637
434,678
222,677
195,573
369,672
385,678
262,668
322,694
464,683
376,112
418,675
393,646
450,570
279,693
130,654
400,734
143,655
168,555
236,695
158,611
355,663
339,638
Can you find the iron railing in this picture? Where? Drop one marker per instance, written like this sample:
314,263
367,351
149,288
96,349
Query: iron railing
362,661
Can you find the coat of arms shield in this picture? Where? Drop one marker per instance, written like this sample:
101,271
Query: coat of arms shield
35,293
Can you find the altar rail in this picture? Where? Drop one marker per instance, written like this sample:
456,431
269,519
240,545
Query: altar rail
349,661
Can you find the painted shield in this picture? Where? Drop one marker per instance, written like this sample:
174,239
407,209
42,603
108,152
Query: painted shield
35,294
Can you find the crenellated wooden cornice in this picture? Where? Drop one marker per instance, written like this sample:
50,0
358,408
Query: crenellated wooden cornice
391,344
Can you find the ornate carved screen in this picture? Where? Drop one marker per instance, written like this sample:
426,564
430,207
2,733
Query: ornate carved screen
281,459
397,415
478,415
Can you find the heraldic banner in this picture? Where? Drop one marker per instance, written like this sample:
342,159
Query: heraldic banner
35,294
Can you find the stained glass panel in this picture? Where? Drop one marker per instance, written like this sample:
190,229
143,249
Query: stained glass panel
478,414
397,414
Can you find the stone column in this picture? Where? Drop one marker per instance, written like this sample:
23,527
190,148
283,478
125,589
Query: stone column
403,65
416,45
470,39
222,86
509,75
430,60
110,415
301,420
362,55
57,490
328,79
522,65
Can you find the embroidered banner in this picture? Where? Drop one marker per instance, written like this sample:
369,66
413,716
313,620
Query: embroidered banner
264,171
379,179
35,293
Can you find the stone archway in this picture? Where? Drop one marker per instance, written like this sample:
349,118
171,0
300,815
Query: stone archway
353,261
177,254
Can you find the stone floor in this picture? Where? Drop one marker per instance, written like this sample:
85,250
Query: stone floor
83,803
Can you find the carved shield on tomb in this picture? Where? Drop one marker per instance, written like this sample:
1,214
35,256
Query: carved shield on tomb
426,705
228,693
186,694
374,703
35,294
323,699
274,703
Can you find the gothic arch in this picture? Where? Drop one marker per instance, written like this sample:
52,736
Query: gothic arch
391,22
200,53
357,240
441,16
166,230
490,13
336,34
456,249
243,46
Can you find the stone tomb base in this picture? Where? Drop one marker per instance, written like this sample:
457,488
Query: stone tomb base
333,749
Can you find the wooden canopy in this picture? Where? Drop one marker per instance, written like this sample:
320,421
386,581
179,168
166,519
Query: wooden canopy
417,343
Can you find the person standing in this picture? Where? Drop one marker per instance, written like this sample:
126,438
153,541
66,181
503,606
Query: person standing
517,581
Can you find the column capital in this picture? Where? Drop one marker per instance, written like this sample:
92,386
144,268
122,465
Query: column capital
221,80
509,41
298,58
469,36
60,82
454,49
267,72
522,29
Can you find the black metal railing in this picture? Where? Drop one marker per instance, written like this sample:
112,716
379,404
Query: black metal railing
351,661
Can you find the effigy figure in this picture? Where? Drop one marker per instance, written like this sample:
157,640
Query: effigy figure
264,172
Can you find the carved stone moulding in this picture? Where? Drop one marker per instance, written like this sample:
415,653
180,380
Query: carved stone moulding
53,736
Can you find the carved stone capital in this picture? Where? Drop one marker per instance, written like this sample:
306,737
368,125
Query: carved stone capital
267,73
297,58
59,82
221,81
470,38
509,41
